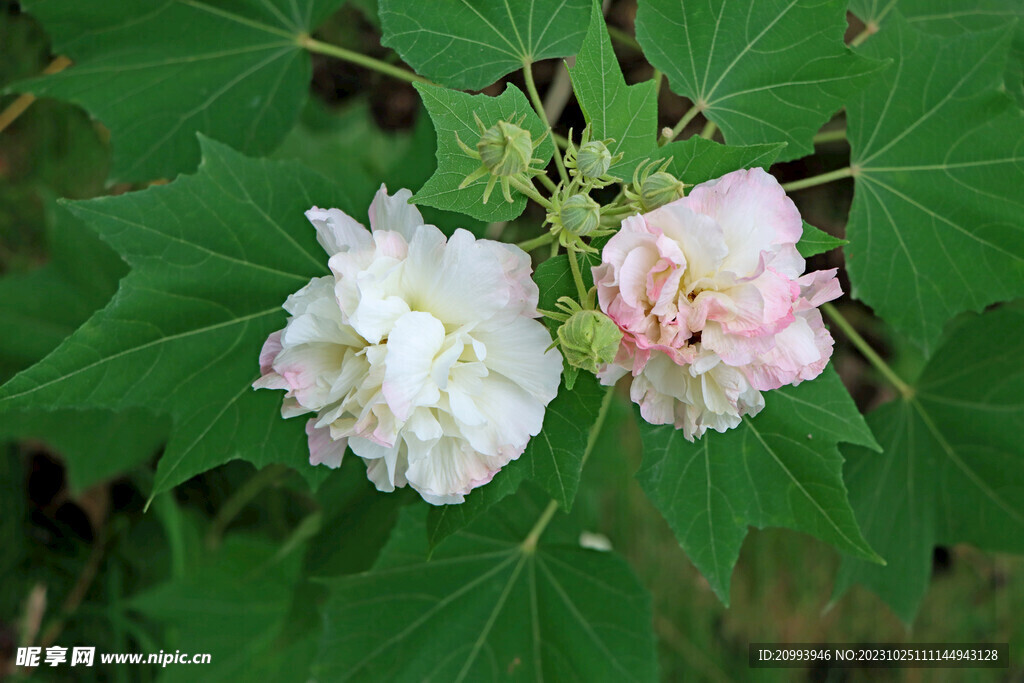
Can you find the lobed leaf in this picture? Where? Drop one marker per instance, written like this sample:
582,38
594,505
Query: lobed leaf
38,310
213,256
485,607
935,229
952,470
155,73
780,468
469,45
626,113
453,115
767,71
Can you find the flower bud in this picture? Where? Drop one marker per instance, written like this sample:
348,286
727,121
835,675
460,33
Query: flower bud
505,149
593,159
589,340
580,215
658,189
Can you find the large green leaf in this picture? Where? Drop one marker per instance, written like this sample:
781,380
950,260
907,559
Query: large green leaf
936,229
780,468
952,18
453,115
468,44
38,310
156,72
487,607
953,466
232,607
214,255
626,113
766,71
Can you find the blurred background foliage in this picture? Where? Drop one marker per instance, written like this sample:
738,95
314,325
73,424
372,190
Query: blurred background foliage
222,564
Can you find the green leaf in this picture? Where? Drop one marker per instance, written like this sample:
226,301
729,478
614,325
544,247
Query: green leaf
815,241
336,143
38,310
952,18
486,608
231,607
768,71
553,459
156,72
469,45
781,468
952,470
626,113
214,255
452,113
696,160
935,229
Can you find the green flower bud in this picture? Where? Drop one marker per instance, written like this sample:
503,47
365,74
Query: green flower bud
580,215
658,189
505,149
593,159
589,340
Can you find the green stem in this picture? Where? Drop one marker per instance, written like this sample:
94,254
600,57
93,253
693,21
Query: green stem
869,353
818,179
530,245
658,78
530,191
538,105
581,288
623,38
595,430
530,542
830,136
240,498
869,30
690,115
708,131
548,182
314,45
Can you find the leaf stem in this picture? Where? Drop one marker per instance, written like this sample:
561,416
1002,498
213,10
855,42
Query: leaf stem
709,130
623,38
531,88
239,499
18,106
818,179
313,45
690,115
581,288
530,542
595,429
530,245
658,77
830,136
869,353
870,29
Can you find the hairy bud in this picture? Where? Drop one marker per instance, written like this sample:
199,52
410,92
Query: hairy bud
505,149
658,189
580,215
593,159
589,339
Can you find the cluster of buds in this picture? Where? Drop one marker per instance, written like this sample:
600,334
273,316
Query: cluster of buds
653,187
505,152
591,162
